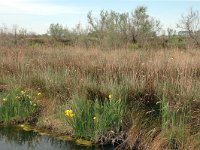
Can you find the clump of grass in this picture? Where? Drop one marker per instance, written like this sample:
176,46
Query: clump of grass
108,115
174,122
80,118
16,104
92,119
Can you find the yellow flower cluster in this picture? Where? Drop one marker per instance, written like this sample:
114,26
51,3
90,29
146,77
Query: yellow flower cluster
69,113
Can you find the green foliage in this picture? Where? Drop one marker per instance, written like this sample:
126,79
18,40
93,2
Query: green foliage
56,31
34,45
82,122
95,118
135,46
108,116
174,121
59,33
16,104
115,29
110,29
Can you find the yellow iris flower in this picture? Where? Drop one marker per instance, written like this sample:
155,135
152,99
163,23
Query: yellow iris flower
69,113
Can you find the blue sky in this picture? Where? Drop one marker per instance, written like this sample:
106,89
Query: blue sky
37,15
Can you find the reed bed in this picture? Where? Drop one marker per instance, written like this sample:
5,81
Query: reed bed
159,88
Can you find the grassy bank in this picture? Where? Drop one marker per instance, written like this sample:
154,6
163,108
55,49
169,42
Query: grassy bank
144,99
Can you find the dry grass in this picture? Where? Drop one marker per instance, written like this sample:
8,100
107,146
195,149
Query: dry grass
140,77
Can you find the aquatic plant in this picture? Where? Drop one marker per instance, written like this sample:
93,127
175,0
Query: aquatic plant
93,119
18,104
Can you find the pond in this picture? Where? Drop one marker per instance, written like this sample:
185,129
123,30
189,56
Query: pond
13,138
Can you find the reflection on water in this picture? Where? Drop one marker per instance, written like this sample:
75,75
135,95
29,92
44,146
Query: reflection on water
12,138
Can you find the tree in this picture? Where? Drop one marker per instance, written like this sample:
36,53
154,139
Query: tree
56,31
191,24
143,27
118,29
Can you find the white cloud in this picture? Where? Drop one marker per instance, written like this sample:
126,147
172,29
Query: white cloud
33,8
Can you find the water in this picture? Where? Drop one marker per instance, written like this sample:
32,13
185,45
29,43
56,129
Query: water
13,138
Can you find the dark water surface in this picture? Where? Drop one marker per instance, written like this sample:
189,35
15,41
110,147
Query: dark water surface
12,138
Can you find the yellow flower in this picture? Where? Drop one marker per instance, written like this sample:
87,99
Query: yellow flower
22,92
34,104
39,93
109,97
17,97
69,113
5,99
95,119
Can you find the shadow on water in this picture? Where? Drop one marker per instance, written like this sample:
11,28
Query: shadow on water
13,138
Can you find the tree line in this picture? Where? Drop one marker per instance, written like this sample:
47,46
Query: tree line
112,29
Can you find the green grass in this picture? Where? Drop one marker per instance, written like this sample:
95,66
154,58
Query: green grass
16,104
82,123
95,118
174,122
108,116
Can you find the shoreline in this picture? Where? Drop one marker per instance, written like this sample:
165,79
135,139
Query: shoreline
52,133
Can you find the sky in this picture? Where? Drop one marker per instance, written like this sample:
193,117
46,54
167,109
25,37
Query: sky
37,15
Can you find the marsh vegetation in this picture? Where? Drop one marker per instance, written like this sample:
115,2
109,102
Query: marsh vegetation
123,86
